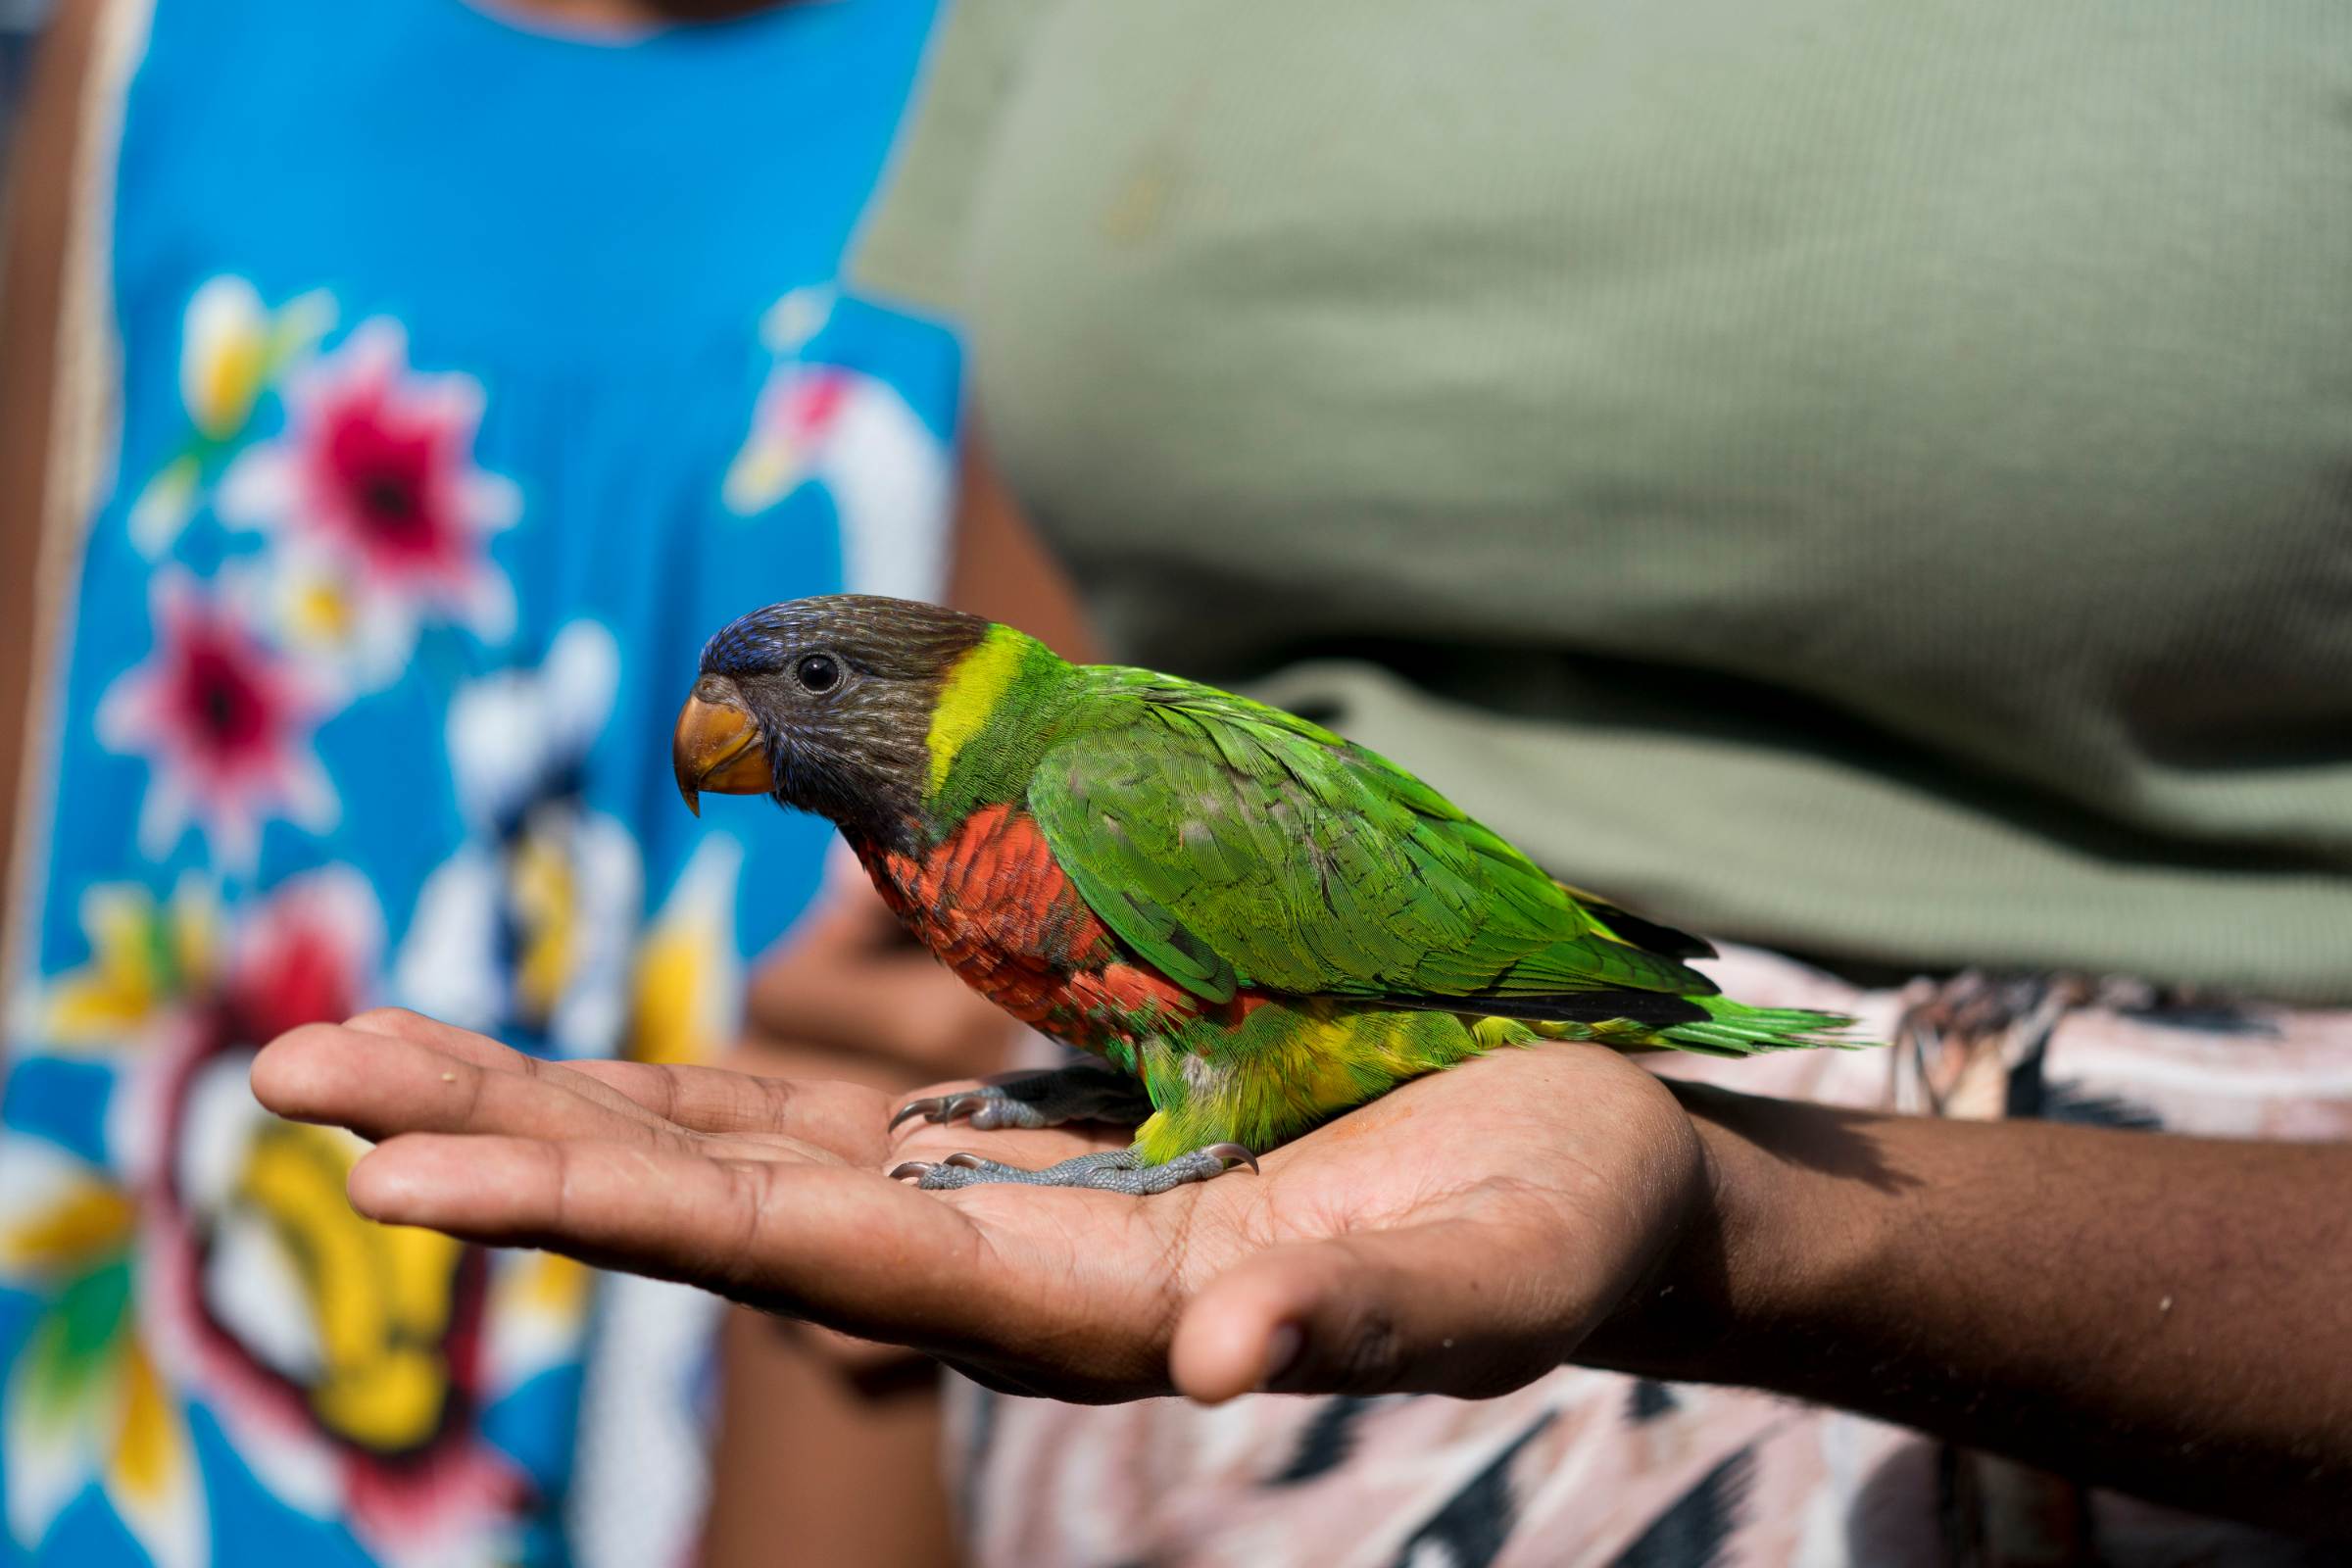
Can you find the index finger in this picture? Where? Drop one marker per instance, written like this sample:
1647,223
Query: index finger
386,1073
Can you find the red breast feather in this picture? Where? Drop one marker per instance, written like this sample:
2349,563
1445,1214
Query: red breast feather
992,901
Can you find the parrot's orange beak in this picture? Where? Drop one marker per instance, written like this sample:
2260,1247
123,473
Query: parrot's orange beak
717,747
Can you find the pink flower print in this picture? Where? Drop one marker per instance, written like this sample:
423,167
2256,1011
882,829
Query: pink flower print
226,728
375,471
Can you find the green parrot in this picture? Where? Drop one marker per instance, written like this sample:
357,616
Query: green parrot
1253,922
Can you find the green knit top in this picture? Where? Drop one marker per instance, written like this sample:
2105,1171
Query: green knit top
1869,476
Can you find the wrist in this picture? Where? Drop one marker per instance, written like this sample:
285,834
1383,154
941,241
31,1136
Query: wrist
1764,1233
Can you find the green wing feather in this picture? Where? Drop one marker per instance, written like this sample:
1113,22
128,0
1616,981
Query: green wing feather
1231,844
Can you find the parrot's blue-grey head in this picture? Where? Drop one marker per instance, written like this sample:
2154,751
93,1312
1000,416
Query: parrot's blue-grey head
825,704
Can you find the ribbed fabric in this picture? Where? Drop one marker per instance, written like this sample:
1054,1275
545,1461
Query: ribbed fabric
1867,478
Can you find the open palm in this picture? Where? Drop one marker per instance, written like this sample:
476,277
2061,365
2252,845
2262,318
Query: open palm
1460,1235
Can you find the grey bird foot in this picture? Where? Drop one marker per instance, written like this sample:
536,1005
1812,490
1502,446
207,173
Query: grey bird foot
1081,1091
1115,1170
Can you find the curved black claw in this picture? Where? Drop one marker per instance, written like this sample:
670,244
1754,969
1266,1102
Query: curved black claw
929,1108
917,1168
1080,1092
1235,1154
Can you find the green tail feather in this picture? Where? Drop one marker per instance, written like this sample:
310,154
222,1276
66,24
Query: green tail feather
1734,1029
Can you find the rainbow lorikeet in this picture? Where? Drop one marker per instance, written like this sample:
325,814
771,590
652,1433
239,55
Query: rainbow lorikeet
1254,921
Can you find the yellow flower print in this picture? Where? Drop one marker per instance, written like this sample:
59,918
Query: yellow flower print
145,955
545,891
89,1222
376,1296
683,1003
232,348
83,1401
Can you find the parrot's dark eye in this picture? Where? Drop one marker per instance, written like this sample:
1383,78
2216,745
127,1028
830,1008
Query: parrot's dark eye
818,672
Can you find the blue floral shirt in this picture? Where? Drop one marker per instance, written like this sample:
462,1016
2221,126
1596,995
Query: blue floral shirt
468,378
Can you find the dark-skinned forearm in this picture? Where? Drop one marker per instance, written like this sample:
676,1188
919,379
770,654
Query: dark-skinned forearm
36,200
2169,1316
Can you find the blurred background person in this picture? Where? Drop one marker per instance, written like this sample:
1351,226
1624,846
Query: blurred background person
395,396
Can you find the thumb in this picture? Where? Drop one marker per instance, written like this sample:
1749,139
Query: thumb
1457,1308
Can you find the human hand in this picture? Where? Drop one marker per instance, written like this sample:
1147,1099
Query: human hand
851,996
1461,1235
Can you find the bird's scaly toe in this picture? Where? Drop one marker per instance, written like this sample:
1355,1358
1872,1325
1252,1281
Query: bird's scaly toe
1117,1170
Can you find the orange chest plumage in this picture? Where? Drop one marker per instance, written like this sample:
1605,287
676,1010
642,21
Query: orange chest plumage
993,902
